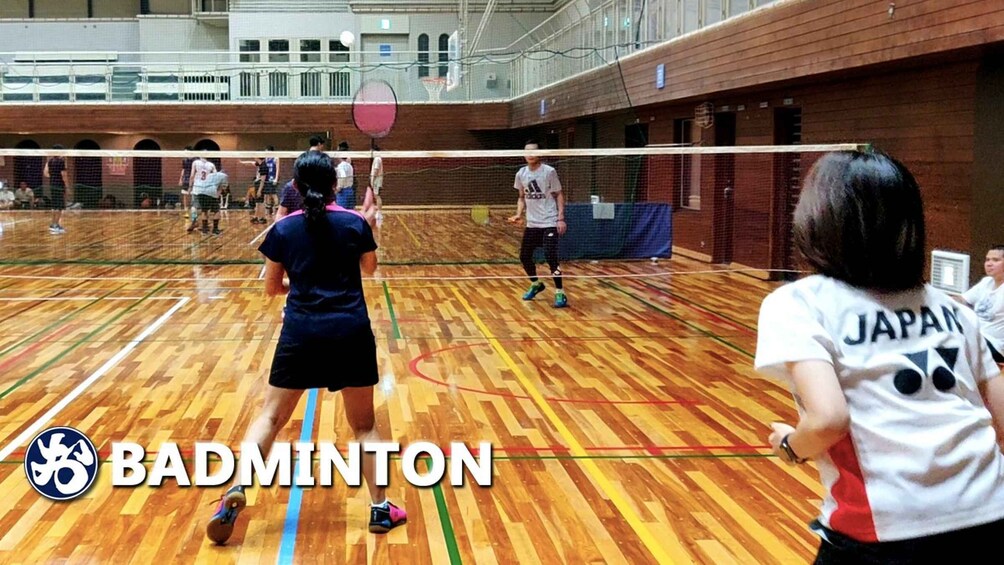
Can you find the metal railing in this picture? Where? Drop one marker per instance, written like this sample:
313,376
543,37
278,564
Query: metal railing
613,29
210,7
575,43
234,76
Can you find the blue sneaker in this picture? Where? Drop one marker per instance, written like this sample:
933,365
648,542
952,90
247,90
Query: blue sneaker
535,289
221,525
560,301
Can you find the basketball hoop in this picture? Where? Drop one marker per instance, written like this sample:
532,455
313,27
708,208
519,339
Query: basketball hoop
704,115
434,85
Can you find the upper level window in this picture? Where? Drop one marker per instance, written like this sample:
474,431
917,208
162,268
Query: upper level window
423,56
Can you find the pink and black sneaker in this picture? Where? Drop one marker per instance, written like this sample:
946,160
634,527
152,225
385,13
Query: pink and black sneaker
386,517
221,525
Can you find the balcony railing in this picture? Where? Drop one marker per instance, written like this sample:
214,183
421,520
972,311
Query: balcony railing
572,43
210,7
239,76
613,29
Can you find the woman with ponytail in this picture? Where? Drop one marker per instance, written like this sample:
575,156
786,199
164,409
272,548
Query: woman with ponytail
324,250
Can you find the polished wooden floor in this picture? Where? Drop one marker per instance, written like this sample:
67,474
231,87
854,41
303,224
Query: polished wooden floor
627,428
159,237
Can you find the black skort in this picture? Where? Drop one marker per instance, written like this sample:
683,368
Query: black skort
331,363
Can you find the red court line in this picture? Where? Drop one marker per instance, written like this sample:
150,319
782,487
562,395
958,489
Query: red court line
654,450
38,344
474,449
413,367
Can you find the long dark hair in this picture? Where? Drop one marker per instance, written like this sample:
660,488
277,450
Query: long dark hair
314,176
860,219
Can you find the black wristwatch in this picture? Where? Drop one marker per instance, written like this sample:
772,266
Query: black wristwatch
786,448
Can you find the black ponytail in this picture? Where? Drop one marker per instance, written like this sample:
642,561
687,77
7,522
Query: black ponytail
313,205
314,175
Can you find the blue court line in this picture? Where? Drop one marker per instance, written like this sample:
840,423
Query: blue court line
288,542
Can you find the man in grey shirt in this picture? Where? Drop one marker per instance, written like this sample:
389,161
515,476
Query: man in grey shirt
541,196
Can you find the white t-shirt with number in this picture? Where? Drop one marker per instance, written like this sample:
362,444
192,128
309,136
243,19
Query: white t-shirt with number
921,457
212,185
345,175
201,171
988,303
539,189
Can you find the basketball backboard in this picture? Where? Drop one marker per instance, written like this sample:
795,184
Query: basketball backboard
454,72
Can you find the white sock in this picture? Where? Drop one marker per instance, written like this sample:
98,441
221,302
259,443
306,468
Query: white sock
381,505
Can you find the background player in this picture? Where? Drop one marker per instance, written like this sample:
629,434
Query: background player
199,177
266,197
345,194
540,194
376,183
207,200
55,171
986,298
289,198
185,183
270,191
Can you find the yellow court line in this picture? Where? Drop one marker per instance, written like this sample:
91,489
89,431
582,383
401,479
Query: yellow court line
407,229
576,449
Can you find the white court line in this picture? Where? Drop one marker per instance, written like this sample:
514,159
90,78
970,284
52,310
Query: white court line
81,298
30,432
126,279
15,222
263,232
261,275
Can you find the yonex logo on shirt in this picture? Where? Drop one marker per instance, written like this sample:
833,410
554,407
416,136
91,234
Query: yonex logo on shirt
910,381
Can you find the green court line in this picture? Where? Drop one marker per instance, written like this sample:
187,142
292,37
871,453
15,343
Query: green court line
79,342
441,508
444,519
390,310
59,322
661,310
697,305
